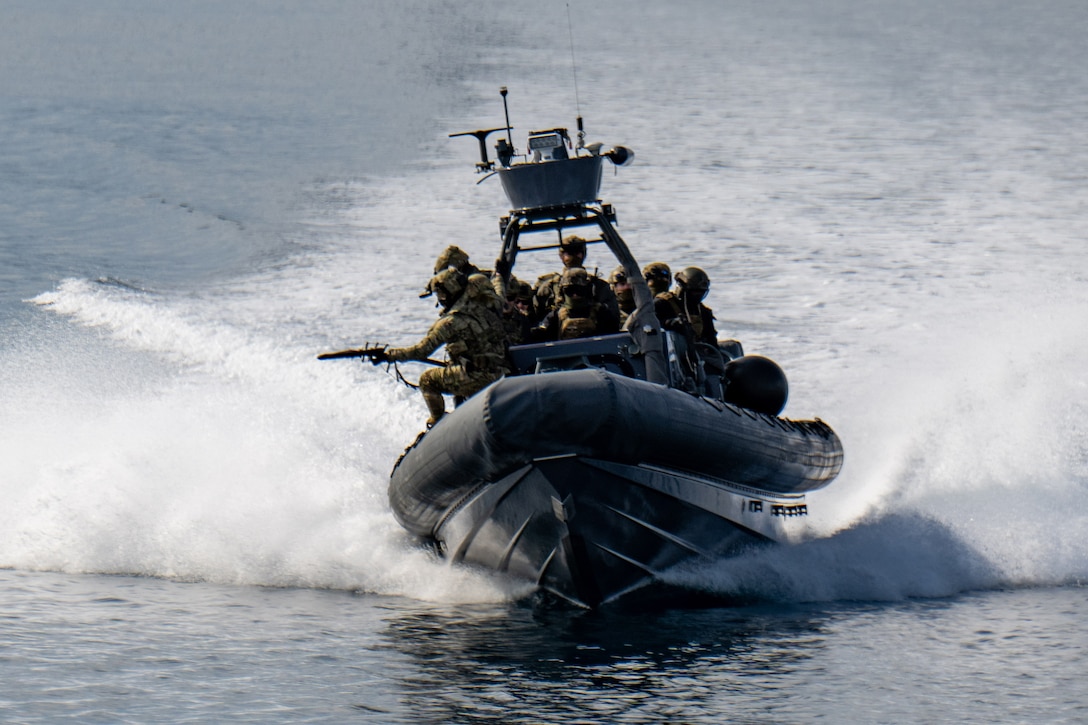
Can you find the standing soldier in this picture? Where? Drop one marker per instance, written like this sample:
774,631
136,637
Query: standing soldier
474,340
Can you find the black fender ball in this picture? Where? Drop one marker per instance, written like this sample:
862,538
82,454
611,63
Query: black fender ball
756,383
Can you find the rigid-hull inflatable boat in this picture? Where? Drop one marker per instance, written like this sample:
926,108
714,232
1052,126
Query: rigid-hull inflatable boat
599,463
591,484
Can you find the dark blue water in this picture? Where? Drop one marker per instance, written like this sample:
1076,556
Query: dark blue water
197,198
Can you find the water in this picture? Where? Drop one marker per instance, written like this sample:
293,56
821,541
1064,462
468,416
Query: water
196,199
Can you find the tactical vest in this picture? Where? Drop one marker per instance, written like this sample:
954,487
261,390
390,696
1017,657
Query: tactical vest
696,320
548,293
572,326
480,342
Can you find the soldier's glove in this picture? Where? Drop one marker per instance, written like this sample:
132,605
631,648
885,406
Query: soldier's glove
378,355
502,267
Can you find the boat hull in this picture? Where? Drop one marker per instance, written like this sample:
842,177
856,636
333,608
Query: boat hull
592,531
590,484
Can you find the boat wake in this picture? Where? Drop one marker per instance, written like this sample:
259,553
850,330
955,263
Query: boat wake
145,440
897,557
968,471
890,559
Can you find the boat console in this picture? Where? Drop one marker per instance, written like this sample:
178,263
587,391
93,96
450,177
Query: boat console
615,353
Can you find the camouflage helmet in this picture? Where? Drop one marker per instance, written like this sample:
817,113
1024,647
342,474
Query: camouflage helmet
693,281
516,290
576,280
618,276
573,244
480,289
452,256
449,285
658,276
656,270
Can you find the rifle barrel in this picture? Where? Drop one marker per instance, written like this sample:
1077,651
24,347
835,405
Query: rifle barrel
340,354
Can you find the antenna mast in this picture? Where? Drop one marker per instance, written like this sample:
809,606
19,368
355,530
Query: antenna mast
506,110
574,69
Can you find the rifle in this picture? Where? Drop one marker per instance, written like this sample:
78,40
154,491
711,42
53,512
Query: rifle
375,355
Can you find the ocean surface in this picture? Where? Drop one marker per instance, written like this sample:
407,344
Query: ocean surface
890,198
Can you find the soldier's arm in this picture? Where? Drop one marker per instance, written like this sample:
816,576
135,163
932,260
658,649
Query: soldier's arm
539,331
663,310
437,336
603,293
609,321
498,282
709,331
544,295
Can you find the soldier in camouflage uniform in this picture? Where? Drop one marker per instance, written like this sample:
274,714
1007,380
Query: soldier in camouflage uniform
572,252
578,315
658,277
482,291
625,296
683,310
474,340
516,316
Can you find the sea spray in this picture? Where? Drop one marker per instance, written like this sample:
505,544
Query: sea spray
163,444
966,461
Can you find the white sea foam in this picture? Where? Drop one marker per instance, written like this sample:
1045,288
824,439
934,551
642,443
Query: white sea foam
231,459
966,460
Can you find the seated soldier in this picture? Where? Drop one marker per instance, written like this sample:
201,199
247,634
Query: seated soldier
625,297
572,252
482,291
578,315
683,310
516,318
658,276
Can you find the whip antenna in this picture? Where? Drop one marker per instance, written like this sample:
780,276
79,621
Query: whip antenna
506,110
574,69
